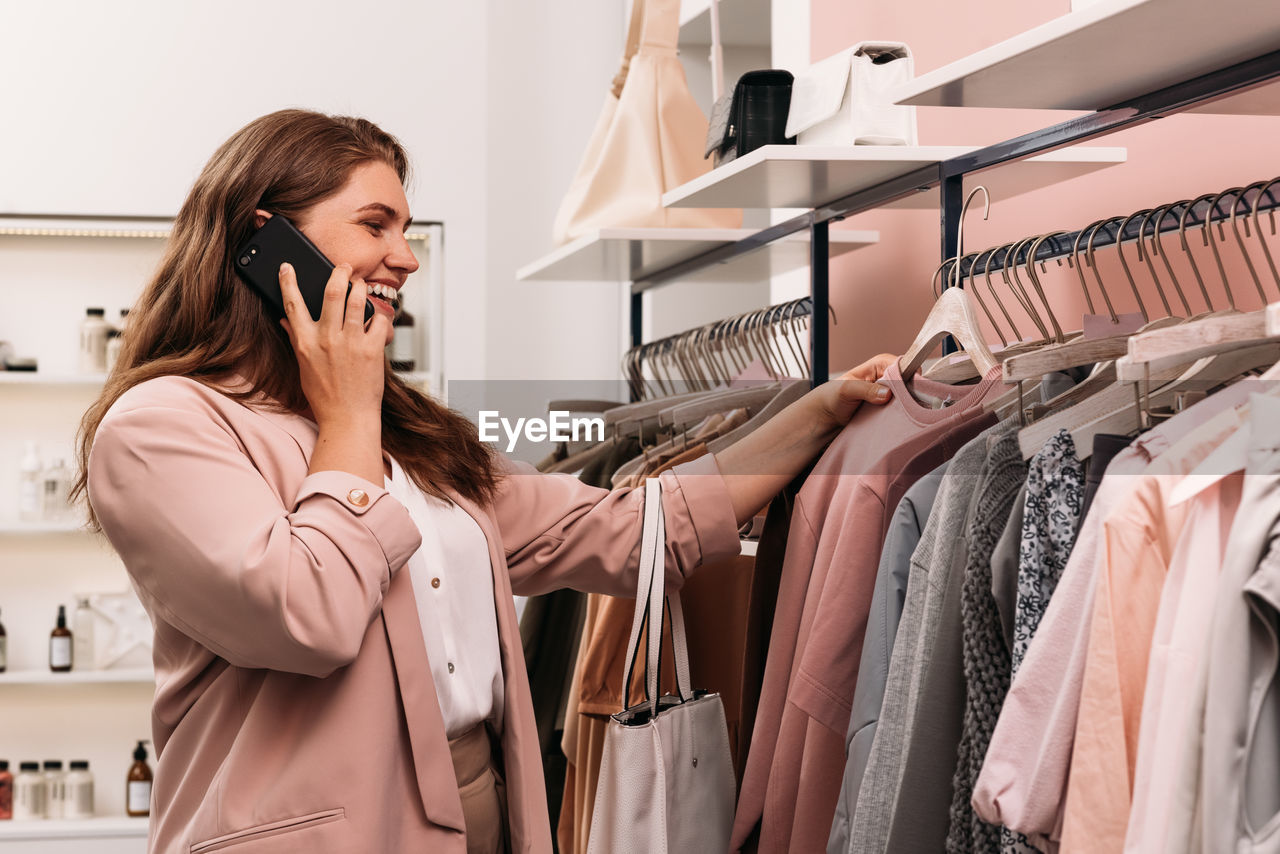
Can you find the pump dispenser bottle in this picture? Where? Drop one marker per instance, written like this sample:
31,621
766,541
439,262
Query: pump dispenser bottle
138,783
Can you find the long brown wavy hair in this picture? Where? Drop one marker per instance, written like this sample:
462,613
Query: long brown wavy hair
197,319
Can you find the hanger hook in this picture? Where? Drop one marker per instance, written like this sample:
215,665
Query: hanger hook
1156,250
1073,261
1124,264
1035,281
986,273
1266,251
1097,277
964,209
1191,257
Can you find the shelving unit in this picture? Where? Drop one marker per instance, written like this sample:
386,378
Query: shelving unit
627,254
12,527
1134,47
141,676
1127,62
83,829
802,176
38,378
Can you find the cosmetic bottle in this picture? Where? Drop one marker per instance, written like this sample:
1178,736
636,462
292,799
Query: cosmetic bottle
6,791
82,651
138,783
404,346
60,650
54,788
28,792
29,497
78,791
93,341
55,483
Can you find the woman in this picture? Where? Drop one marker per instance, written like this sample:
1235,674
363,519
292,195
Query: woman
327,556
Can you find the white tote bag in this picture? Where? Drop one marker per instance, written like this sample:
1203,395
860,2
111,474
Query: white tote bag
847,99
647,141
666,777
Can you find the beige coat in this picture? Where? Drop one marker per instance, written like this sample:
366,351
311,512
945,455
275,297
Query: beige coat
294,707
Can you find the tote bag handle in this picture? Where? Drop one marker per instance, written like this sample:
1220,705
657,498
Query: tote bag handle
650,590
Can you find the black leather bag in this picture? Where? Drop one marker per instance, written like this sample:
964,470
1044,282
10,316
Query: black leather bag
754,114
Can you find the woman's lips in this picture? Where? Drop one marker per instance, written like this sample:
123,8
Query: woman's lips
382,306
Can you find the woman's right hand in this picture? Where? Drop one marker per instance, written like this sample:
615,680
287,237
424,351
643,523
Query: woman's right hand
341,364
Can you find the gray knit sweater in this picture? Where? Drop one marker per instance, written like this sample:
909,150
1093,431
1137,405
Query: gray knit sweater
986,655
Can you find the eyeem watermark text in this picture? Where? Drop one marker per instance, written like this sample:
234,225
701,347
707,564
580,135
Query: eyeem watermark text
539,430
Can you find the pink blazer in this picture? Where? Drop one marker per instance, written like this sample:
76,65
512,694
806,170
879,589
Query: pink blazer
294,706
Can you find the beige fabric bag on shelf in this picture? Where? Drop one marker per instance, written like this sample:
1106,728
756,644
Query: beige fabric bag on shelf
666,776
647,141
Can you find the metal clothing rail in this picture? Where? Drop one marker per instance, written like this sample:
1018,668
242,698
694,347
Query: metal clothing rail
1105,233
949,177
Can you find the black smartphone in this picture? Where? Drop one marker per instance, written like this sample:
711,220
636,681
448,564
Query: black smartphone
258,263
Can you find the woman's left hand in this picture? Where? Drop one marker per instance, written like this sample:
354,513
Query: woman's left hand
758,465
842,396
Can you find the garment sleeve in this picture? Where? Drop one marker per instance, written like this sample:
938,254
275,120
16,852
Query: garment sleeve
263,580
559,532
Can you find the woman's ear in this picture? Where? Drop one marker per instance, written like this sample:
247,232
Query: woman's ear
260,218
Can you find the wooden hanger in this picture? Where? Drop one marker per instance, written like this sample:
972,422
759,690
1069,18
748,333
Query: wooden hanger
952,315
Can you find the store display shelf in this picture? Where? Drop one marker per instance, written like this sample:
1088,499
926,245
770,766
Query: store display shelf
1108,53
743,23
88,828
39,378
13,527
801,176
627,254
138,676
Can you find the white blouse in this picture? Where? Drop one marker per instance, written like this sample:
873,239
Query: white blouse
453,584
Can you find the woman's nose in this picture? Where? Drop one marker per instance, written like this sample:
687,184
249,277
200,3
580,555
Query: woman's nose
402,257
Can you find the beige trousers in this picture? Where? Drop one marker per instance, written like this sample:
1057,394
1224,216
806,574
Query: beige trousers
482,789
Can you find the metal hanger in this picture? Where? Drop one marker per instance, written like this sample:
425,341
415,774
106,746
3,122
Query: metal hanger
1266,189
1147,255
1213,244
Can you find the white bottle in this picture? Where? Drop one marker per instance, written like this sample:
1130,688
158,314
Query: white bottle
54,788
82,635
115,340
78,791
93,341
29,486
55,482
28,792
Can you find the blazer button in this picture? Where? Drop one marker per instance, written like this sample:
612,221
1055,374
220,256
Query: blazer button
435,582
358,497
450,666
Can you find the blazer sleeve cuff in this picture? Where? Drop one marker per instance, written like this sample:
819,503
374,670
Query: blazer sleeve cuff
385,517
708,506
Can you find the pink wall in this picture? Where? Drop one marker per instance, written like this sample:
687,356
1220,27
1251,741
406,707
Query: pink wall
881,294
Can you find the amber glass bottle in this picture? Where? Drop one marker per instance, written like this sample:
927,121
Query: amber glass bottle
138,783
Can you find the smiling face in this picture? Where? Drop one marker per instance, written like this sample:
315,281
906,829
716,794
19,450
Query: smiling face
363,225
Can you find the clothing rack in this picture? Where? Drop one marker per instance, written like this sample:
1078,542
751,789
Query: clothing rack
737,331
1102,234
948,176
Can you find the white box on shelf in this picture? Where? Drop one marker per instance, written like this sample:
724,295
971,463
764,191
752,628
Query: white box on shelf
121,632
846,99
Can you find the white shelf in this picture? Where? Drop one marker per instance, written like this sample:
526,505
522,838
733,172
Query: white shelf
141,676
39,378
89,828
11,527
1108,53
803,176
625,254
743,23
